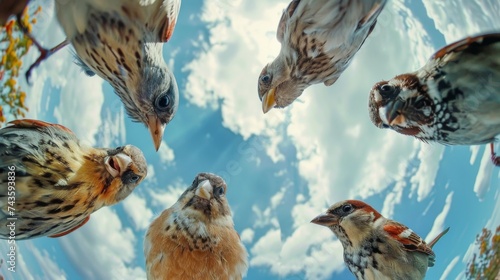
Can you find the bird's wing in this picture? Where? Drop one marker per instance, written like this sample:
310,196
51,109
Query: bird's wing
71,229
36,124
468,45
408,239
287,13
161,17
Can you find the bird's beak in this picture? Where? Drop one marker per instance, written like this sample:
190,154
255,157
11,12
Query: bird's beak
268,100
117,164
326,220
204,190
156,129
393,110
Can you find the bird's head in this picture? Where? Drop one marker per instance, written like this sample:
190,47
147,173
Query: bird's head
277,87
155,100
205,201
126,167
402,104
350,220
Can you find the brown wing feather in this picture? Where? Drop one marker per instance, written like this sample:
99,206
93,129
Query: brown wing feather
30,123
463,44
413,242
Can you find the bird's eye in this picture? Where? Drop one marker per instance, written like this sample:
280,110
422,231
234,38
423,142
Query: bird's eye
384,125
386,89
219,191
130,177
265,79
162,103
347,208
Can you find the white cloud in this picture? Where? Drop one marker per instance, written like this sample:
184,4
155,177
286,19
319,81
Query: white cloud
136,208
457,19
449,268
483,177
276,199
151,175
49,267
166,197
439,222
474,151
166,153
103,248
423,180
112,132
247,235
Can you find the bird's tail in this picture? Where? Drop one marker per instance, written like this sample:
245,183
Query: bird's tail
436,239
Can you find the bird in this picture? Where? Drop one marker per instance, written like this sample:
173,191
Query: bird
454,99
195,238
377,248
121,41
318,40
51,182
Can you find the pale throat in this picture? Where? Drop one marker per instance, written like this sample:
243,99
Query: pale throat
358,231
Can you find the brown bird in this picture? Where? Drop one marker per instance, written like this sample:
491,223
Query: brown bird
195,238
318,40
377,248
121,41
50,182
454,99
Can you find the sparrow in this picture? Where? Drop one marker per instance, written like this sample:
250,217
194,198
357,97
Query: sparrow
375,247
121,41
318,40
195,238
50,182
454,99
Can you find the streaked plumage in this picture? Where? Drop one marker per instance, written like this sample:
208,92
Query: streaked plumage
122,41
376,248
454,99
195,238
57,180
318,40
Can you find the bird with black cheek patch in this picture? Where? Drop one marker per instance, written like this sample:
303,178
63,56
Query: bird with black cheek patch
50,182
318,40
376,248
121,41
195,238
454,99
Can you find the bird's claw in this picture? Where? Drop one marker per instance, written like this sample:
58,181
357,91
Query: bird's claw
494,158
44,53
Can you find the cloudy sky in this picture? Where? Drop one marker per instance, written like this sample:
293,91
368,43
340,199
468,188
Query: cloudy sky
282,168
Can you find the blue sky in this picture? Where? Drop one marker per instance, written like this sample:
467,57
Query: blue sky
282,168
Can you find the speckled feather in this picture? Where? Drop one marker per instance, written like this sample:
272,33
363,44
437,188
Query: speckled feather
58,181
453,99
318,40
376,248
195,238
121,41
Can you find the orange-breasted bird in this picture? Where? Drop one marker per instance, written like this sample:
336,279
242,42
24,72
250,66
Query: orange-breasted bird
195,238
50,182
